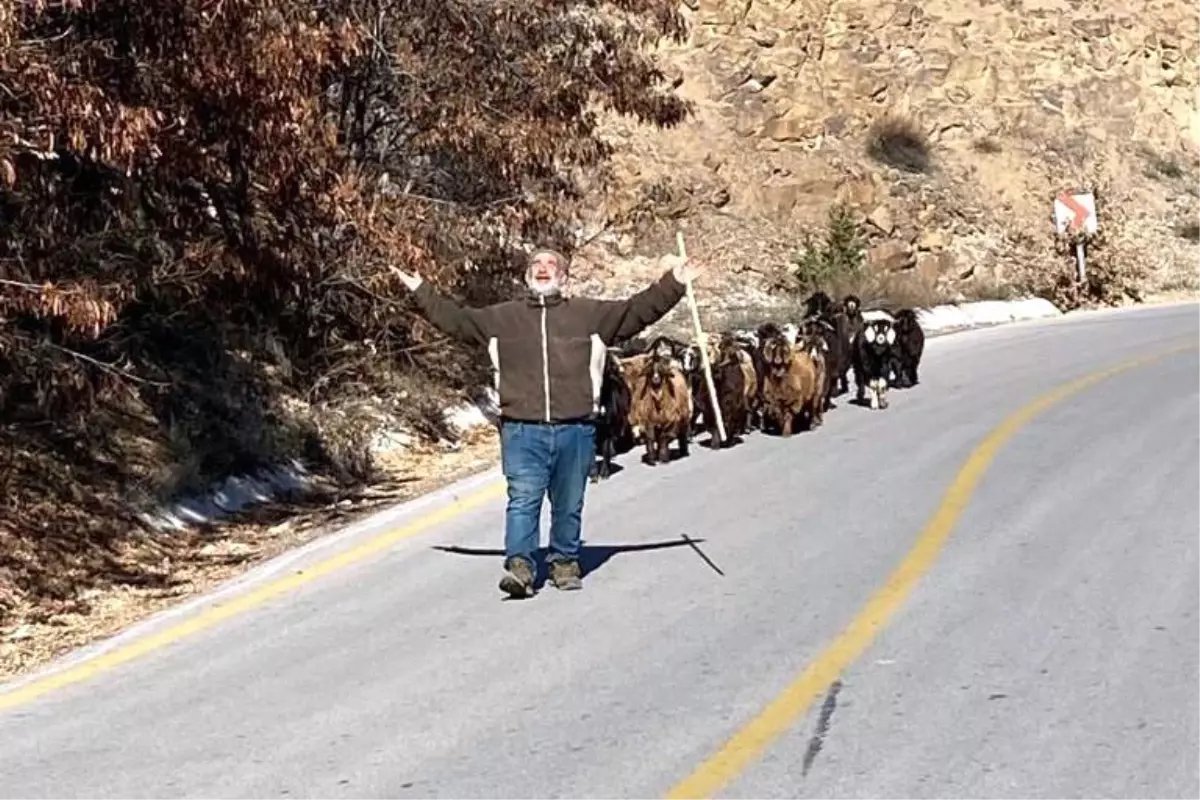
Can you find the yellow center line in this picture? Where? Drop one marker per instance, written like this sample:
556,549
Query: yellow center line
749,743
242,603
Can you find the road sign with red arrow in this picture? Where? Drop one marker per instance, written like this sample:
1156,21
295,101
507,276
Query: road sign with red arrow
1075,212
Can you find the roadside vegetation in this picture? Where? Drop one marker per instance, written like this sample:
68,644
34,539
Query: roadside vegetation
198,206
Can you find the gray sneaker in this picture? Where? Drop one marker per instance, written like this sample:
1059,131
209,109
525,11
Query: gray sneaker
565,575
518,579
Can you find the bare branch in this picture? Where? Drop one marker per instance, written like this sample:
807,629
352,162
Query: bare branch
112,369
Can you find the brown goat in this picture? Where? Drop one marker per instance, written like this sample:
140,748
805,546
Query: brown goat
736,387
790,385
634,366
817,349
750,377
662,407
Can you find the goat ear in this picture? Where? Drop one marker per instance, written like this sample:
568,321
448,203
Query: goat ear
891,336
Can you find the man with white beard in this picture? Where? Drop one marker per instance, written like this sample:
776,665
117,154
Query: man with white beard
548,353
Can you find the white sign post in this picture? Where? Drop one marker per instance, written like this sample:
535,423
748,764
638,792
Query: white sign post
1076,212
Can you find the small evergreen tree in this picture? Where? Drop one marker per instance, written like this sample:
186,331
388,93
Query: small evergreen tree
841,253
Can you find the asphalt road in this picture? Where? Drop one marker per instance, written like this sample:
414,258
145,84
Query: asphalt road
1051,650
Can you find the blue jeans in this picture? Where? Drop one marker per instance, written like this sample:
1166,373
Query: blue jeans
540,459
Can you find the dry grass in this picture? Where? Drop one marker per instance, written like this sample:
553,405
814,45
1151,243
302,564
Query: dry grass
978,289
750,317
891,291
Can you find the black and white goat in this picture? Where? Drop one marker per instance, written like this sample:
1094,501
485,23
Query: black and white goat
874,361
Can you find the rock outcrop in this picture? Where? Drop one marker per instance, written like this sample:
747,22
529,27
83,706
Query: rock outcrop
1015,100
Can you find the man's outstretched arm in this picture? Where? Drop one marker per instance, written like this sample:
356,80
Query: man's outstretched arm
448,316
622,319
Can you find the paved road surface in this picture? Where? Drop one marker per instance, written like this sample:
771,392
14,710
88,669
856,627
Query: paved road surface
1051,651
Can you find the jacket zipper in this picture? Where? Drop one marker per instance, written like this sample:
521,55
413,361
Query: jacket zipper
545,360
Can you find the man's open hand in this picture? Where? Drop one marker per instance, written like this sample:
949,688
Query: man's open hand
689,270
409,279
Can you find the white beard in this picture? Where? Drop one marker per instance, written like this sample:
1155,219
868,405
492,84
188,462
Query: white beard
545,289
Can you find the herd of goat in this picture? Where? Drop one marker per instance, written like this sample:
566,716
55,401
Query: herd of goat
776,379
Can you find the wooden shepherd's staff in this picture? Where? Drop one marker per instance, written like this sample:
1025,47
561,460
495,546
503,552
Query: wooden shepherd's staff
703,342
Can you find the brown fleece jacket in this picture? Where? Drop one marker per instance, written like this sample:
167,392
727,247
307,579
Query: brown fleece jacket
548,352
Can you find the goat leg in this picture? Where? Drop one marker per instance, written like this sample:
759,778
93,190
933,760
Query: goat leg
651,447
714,440
606,453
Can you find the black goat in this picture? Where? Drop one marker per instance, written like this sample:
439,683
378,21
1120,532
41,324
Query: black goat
614,434
819,304
852,307
910,345
835,351
825,318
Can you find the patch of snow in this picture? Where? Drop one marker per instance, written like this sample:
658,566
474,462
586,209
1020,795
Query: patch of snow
484,410
943,319
465,416
230,496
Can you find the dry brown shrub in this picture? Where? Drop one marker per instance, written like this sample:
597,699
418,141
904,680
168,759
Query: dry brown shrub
1116,264
897,140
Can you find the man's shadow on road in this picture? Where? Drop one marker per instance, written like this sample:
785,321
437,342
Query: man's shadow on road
591,556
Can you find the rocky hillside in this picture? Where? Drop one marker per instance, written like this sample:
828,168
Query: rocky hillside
949,127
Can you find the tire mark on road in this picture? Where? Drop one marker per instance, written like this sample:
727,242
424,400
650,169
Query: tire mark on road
818,737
